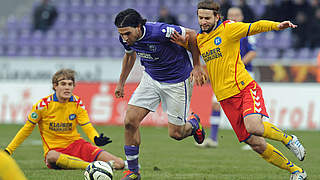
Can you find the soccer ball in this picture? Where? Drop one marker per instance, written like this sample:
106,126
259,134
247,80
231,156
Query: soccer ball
99,170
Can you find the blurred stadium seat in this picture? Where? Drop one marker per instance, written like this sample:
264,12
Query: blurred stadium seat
85,28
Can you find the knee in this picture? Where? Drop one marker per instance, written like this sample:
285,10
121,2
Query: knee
255,129
259,148
130,124
52,157
257,144
176,135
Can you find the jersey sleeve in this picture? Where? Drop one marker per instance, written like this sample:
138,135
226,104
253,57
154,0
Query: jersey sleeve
166,30
126,47
236,30
23,133
35,114
84,121
32,119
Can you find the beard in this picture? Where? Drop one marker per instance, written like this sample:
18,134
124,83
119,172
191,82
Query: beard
209,30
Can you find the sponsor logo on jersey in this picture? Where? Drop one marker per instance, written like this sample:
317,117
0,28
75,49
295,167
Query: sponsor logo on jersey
60,126
152,48
170,30
72,116
211,54
217,41
34,115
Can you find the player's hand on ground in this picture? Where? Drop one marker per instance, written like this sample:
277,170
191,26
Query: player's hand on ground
198,75
102,140
119,91
6,151
179,39
286,24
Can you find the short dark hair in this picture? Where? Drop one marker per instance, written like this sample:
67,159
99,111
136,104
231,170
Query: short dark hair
210,5
129,18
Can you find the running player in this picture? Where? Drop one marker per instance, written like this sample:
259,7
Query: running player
239,95
167,78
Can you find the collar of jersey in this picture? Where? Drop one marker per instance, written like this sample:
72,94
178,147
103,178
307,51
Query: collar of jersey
56,99
218,24
144,33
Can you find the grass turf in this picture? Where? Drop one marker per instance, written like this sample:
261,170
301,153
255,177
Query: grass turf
163,158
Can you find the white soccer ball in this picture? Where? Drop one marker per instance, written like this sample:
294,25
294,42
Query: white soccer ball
99,170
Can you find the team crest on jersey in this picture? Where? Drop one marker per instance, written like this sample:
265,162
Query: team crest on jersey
72,116
152,48
34,115
217,41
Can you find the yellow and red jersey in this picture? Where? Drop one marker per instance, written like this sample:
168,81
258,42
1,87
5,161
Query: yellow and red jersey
220,49
57,123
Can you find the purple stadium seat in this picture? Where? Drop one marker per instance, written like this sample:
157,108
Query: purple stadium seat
77,51
50,51
272,53
315,53
3,51
289,54
38,50
304,54
63,51
12,50
25,51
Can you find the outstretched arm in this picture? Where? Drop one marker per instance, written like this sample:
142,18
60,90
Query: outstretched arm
286,24
127,64
190,40
24,132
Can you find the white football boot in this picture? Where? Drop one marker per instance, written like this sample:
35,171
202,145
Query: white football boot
299,175
208,143
296,147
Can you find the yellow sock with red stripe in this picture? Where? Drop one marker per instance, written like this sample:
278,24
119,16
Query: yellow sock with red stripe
272,132
70,162
275,157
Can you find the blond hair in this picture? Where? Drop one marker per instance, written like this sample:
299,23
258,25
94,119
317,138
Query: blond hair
63,74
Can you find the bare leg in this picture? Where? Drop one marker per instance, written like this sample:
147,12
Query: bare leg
179,132
132,121
105,156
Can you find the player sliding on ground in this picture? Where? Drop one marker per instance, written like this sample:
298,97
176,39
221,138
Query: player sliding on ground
239,95
57,116
167,79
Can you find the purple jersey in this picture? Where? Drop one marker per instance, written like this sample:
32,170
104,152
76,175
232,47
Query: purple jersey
163,60
247,45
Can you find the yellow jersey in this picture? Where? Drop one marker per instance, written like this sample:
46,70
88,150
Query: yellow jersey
220,49
57,123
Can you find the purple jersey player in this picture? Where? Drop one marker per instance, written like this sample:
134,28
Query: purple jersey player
167,78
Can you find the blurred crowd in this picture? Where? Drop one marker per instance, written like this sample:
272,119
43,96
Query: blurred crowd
84,28
304,13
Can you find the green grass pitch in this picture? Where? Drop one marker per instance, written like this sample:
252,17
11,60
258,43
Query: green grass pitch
163,158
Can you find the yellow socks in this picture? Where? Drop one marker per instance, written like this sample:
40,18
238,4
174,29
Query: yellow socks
275,157
272,132
9,170
70,162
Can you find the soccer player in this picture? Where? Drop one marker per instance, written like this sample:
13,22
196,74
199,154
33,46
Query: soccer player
247,53
9,170
167,78
239,95
57,116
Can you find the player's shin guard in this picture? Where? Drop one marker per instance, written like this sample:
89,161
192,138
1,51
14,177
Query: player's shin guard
132,154
272,132
70,162
275,157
